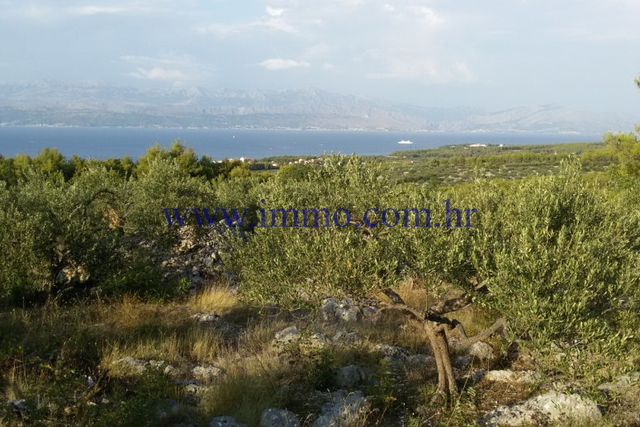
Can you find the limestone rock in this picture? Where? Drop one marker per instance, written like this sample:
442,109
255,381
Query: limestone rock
340,311
347,338
206,317
274,417
349,377
207,374
391,351
196,390
288,336
19,405
131,365
513,377
462,362
342,409
550,408
482,352
225,422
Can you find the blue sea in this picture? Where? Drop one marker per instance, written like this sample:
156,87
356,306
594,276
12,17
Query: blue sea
102,143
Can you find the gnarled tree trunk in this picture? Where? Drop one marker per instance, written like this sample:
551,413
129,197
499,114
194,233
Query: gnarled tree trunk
436,325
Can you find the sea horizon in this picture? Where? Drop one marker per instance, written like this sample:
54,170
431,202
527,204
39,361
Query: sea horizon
116,142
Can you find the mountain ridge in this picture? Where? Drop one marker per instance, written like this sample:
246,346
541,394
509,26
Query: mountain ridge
101,104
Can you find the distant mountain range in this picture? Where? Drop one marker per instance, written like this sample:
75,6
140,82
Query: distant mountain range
98,105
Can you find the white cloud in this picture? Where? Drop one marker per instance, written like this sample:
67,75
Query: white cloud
159,73
45,13
328,66
277,64
429,16
272,11
426,71
229,30
176,69
98,10
279,24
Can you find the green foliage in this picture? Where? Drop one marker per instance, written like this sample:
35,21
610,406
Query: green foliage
23,268
558,253
627,147
460,163
384,386
165,185
296,172
88,229
185,158
54,226
305,264
561,261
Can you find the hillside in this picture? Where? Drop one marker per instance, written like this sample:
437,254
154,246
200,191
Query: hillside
99,104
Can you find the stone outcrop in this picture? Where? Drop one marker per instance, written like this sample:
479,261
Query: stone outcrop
551,408
342,409
274,417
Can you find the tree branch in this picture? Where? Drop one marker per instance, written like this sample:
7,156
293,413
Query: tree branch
414,314
469,341
395,298
458,303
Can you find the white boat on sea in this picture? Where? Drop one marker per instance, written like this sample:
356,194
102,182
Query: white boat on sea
405,142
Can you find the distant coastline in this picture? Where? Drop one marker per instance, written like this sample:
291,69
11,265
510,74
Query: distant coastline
105,142
295,129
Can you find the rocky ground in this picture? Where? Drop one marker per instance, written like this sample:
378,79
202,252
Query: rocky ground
341,366
211,360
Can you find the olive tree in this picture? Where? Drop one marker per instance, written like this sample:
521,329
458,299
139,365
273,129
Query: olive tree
555,258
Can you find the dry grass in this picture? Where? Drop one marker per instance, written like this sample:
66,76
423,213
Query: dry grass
132,314
61,345
215,299
247,390
16,383
414,293
197,345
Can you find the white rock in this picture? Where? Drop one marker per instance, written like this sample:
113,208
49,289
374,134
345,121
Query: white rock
206,373
18,405
225,422
552,408
347,338
328,309
288,335
344,311
392,351
132,365
514,377
369,312
318,340
196,389
483,352
461,362
274,417
348,312
342,409
350,376
206,317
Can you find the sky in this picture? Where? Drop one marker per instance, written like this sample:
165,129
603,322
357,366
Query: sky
492,54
